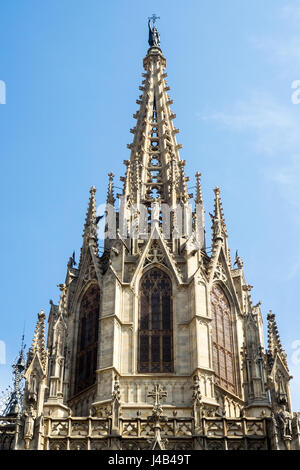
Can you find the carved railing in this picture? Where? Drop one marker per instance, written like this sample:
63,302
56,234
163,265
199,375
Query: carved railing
212,432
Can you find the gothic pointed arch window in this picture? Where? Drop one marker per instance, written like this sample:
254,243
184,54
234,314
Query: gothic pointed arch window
87,339
222,340
155,323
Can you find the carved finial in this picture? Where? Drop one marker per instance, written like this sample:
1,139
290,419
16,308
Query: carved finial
90,226
157,416
157,393
198,198
110,190
183,194
63,298
219,226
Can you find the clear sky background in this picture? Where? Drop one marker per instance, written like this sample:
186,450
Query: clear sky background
72,71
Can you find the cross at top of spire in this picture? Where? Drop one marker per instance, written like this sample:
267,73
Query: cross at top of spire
153,18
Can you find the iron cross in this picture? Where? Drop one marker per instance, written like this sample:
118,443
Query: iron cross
157,393
153,18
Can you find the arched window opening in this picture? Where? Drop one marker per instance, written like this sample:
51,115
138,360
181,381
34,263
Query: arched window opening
87,343
223,353
155,323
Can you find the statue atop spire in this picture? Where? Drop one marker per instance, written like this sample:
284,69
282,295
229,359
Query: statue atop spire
154,36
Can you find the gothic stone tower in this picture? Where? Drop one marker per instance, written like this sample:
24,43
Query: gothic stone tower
156,343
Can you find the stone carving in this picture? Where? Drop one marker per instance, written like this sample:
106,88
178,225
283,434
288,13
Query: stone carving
99,444
155,254
215,428
78,444
147,429
30,416
220,273
215,445
130,429
285,422
57,444
59,428
184,429
254,428
79,428
236,445
157,417
99,428
134,445
90,274
256,445
234,428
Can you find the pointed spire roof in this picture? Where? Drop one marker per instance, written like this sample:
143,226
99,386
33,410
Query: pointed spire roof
219,234
110,190
199,212
218,221
198,197
90,237
155,170
38,343
274,342
90,226
62,308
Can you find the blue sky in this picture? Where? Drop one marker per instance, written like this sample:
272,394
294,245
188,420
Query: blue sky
72,71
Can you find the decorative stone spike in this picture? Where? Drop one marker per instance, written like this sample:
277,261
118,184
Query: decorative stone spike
110,191
274,342
38,343
219,226
198,198
90,219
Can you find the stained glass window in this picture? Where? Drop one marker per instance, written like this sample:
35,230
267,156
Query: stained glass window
223,354
155,323
86,356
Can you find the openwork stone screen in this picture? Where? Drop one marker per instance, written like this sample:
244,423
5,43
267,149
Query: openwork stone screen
86,358
155,323
223,356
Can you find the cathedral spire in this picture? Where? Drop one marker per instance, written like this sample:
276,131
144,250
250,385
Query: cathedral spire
155,170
